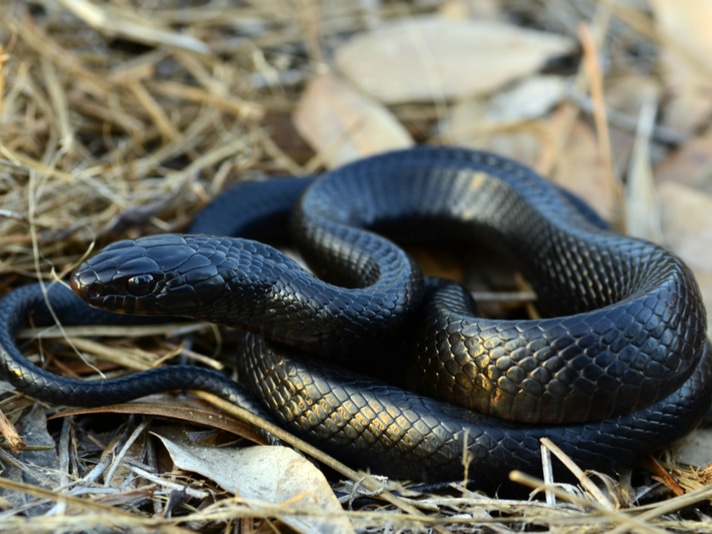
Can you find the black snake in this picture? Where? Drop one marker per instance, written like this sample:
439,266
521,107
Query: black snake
617,367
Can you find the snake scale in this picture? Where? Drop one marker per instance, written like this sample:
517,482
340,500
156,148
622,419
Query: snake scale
617,367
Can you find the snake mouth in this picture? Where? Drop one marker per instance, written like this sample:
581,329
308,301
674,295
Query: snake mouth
84,284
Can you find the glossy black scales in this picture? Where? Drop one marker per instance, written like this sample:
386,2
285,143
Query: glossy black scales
617,368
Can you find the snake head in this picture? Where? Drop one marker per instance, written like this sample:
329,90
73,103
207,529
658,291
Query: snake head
155,275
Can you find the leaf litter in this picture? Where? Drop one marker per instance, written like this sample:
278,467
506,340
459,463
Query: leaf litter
124,118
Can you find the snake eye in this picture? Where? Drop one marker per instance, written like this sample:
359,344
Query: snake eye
141,284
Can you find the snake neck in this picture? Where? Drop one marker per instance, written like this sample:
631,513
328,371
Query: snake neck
251,285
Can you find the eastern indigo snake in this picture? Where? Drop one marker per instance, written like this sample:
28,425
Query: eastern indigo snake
617,367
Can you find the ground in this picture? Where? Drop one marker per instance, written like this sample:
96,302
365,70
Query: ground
120,119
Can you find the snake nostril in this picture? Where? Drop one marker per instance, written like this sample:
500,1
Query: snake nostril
84,285
92,291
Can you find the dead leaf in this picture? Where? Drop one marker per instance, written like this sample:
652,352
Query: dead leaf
469,125
37,465
580,168
687,229
684,27
471,9
687,224
432,58
9,434
528,100
691,165
503,123
272,475
627,94
695,449
343,125
187,410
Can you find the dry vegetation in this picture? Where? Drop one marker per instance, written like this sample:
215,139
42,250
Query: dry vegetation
123,118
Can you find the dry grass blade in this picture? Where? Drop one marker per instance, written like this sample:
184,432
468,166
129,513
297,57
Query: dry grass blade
123,22
607,514
96,514
188,412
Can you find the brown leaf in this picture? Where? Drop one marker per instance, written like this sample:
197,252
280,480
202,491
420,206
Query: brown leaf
687,40
36,464
687,228
343,125
695,449
275,477
435,58
507,123
530,99
691,165
580,170
9,433
502,123
186,410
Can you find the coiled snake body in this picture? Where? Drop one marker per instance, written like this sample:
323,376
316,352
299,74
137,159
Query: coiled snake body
618,367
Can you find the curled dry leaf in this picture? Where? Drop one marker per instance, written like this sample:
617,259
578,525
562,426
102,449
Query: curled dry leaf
343,125
435,58
506,123
528,100
276,477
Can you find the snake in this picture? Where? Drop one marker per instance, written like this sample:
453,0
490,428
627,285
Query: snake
616,366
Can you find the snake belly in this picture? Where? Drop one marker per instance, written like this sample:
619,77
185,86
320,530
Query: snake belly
618,367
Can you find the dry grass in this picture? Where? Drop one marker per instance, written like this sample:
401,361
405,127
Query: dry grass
122,119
